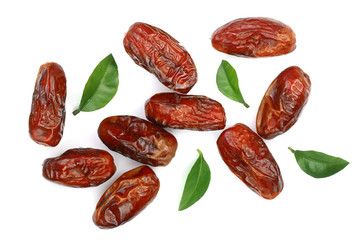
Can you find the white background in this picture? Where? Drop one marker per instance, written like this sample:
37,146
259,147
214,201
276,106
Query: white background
79,34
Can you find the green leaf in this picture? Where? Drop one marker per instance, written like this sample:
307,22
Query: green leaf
228,83
196,184
101,86
318,164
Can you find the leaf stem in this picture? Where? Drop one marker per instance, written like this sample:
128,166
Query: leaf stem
76,111
292,150
246,105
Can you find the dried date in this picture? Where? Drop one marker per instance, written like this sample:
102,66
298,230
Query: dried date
47,116
248,157
161,55
126,197
283,102
254,37
80,167
181,111
138,139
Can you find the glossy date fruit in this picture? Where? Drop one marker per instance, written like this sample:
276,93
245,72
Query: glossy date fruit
161,55
193,112
254,37
80,167
126,197
283,102
138,139
47,116
248,157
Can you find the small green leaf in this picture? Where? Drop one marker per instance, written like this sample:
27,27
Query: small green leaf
228,83
318,164
101,86
196,184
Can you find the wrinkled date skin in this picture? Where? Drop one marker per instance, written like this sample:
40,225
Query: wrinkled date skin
138,139
80,167
283,102
161,55
248,157
126,197
254,37
47,116
185,112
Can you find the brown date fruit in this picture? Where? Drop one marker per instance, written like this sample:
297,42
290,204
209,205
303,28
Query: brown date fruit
248,157
283,102
80,167
126,197
254,37
47,116
161,55
138,139
182,111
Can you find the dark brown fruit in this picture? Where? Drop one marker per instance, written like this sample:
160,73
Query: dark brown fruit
126,197
248,157
162,55
47,116
254,37
181,111
138,139
283,102
80,167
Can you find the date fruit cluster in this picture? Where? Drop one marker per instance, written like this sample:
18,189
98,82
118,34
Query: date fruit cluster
146,141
